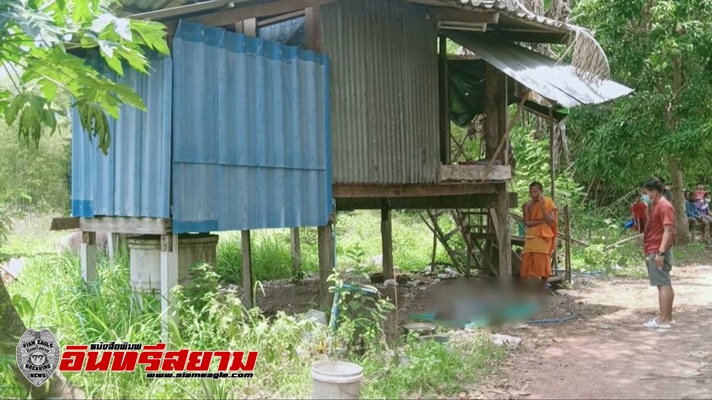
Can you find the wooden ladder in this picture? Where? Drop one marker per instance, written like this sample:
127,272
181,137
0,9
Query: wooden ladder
473,226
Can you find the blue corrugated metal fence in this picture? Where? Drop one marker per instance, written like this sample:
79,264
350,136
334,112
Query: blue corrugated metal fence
249,132
133,179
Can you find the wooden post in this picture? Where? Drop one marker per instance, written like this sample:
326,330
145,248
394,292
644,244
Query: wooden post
247,278
505,236
88,257
296,251
169,280
444,95
312,28
326,264
567,233
495,111
552,176
387,243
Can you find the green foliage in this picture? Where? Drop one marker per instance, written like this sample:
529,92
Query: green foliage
663,50
36,41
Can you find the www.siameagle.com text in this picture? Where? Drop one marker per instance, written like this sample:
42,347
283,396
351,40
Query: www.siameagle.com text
193,375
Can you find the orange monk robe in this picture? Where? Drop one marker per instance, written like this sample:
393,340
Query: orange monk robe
539,243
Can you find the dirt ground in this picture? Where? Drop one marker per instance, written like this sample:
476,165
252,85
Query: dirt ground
606,353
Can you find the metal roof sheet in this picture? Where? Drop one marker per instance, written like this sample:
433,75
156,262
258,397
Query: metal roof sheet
553,80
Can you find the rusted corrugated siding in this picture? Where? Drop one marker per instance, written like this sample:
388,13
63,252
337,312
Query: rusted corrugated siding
384,91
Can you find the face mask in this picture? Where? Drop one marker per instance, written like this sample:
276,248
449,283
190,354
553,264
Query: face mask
646,199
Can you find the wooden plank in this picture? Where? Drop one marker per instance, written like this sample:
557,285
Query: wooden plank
495,110
444,101
230,16
362,191
505,236
387,243
247,278
143,226
169,280
425,203
460,15
312,28
249,27
280,18
64,224
459,173
296,251
326,265
533,37
88,257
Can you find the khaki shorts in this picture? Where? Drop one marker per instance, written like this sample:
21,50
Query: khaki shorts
660,276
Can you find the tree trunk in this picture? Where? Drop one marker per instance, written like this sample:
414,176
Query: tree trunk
10,332
682,229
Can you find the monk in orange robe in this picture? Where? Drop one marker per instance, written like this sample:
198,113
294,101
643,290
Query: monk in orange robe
540,240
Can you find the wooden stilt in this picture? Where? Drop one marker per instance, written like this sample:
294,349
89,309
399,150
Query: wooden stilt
296,252
169,280
111,245
567,233
504,234
326,265
387,243
247,278
88,257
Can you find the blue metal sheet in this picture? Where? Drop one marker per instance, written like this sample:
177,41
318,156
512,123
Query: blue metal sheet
250,133
133,179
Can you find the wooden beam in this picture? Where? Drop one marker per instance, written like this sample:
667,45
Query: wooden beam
326,264
230,16
444,101
312,29
247,278
387,243
495,110
88,257
169,280
504,234
463,57
458,173
361,191
531,37
64,224
425,203
296,251
460,15
143,226
249,27
280,18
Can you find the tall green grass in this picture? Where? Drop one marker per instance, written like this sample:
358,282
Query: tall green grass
51,293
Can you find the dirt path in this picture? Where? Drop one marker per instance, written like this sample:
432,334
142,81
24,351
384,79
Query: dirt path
606,353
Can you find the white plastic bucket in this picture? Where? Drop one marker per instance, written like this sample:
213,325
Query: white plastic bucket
336,380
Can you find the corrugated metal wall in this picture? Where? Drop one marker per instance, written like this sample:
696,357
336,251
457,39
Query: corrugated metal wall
133,179
384,91
250,133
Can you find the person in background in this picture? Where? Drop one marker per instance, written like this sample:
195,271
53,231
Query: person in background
540,219
694,219
700,192
667,193
657,244
639,213
703,208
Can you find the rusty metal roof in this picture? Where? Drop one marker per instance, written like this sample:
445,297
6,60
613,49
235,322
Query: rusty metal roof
555,81
513,9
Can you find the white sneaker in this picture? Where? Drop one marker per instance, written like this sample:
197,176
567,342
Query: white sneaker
653,324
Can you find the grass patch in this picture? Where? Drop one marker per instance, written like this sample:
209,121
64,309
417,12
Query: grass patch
51,293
